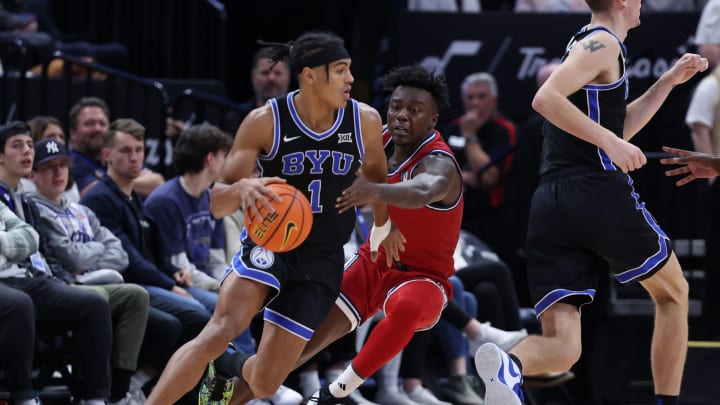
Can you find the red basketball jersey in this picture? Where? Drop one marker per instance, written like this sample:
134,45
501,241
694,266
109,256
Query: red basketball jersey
432,231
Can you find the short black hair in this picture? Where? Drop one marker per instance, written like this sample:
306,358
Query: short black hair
195,143
418,77
10,129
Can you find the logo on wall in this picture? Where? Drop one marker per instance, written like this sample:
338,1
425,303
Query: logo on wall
457,48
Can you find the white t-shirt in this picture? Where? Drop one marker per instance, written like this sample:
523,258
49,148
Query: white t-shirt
704,102
708,29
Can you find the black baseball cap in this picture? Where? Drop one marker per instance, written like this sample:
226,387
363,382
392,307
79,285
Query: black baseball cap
49,149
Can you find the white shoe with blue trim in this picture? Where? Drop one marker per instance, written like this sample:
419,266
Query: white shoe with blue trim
500,374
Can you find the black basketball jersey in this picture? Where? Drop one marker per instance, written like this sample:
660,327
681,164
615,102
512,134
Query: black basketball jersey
605,104
321,165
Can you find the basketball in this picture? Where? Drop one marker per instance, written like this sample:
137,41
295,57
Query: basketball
285,229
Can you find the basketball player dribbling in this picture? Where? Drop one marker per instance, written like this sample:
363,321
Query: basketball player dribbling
316,138
585,210
424,197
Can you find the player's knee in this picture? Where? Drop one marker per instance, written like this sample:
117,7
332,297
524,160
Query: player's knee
567,350
415,315
215,336
264,383
421,303
569,357
226,327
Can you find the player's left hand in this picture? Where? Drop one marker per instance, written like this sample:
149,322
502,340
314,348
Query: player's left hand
393,244
686,67
360,193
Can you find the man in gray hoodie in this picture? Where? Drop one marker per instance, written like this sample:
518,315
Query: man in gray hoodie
83,251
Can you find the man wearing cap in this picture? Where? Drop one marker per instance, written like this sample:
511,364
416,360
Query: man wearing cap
56,307
81,251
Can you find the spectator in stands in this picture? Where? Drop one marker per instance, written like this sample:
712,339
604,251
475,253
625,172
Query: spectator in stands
551,6
88,120
191,237
707,36
81,251
56,307
482,141
269,79
412,369
454,345
120,209
16,348
703,118
37,16
47,127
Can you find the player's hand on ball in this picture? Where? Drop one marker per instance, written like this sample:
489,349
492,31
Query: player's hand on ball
253,191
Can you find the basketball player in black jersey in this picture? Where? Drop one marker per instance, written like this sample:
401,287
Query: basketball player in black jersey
316,139
585,210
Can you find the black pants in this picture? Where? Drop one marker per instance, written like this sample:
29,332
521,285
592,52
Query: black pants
492,284
170,325
711,299
58,308
17,341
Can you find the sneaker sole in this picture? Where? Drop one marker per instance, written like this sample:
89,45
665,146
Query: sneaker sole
487,363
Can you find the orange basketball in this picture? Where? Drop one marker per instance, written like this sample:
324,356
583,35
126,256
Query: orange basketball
288,227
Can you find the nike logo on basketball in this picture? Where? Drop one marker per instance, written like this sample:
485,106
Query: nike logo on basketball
290,138
289,227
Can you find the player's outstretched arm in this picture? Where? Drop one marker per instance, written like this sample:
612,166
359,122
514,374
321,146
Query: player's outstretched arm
640,111
436,179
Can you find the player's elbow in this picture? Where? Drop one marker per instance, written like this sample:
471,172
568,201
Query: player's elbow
541,102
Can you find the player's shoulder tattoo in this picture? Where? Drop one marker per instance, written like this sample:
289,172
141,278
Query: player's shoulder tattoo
592,45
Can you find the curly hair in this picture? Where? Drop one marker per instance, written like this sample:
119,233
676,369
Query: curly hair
418,77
